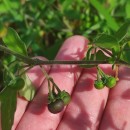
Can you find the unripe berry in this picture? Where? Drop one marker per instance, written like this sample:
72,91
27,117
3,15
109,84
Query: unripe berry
110,82
99,84
65,96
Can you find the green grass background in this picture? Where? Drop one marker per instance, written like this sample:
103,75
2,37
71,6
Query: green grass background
44,24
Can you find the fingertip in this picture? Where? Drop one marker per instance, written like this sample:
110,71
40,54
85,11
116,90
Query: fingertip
73,48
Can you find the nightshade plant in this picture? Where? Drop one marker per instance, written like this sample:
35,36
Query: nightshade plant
104,49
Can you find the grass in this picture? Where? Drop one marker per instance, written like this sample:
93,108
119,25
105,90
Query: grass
44,25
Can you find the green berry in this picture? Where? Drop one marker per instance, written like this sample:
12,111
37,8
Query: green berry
66,99
56,106
110,82
65,96
99,84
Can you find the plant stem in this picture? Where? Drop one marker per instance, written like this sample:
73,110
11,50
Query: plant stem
98,75
116,72
80,62
50,79
25,70
19,56
34,62
101,72
45,73
10,73
55,85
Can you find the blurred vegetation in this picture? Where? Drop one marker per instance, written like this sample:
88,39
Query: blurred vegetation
44,24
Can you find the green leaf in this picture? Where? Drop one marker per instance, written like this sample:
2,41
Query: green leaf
115,51
51,52
127,9
72,14
54,23
122,31
3,30
88,55
106,41
14,43
28,90
12,7
99,56
66,4
3,8
17,84
111,60
8,99
125,56
110,20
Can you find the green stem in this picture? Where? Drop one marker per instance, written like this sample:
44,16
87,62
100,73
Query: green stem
95,50
101,72
98,75
57,88
49,86
49,80
50,92
25,70
45,73
19,56
88,56
34,62
10,73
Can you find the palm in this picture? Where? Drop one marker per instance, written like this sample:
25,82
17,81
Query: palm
90,109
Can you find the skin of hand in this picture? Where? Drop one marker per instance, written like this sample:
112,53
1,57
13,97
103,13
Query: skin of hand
89,109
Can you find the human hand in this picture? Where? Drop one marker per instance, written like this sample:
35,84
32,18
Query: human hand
89,109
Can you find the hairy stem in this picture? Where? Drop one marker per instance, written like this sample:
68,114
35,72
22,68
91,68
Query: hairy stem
34,62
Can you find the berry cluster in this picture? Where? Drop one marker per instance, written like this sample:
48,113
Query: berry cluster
104,80
57,101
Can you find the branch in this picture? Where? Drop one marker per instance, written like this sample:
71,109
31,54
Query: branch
34,62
